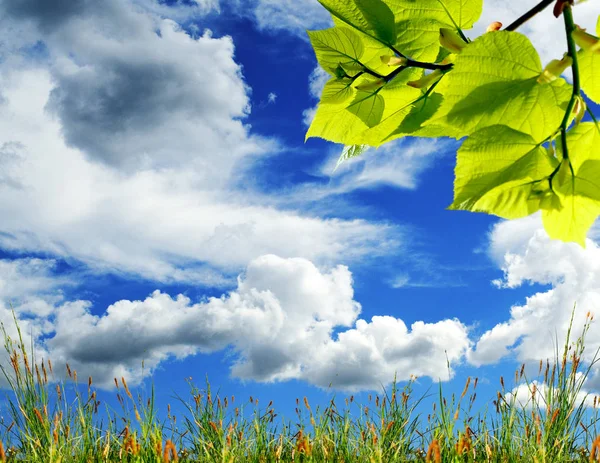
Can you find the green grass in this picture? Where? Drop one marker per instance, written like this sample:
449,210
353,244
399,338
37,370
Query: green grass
46,427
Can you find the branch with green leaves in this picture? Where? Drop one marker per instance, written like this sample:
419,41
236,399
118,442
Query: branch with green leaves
401,68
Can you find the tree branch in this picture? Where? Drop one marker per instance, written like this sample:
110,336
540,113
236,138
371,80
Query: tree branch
530,14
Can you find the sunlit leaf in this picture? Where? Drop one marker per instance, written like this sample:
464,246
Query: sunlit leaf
371,116
576,186
338,92
589,73
351,151
494,81
418,23
348,48
501,171
337,46
373,17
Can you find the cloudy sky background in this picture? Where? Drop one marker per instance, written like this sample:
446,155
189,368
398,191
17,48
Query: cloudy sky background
159,204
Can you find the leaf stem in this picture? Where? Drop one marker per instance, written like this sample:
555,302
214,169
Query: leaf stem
417,64
530,14
432,66
409,64
371,72
569,28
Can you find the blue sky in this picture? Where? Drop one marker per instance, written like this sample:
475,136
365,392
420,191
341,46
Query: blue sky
159,204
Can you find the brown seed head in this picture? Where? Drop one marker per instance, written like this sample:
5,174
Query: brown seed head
464,392
39,415
433,452
126,388
170,451
389,426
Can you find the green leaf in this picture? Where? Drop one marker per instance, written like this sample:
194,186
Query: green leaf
350,152
464,13
368,106
350,49
576,187
337,46
338,92
589,73
501,171
578,205
371,117
418,23
494,81
398,100
583,143
372,17
335,123
421,111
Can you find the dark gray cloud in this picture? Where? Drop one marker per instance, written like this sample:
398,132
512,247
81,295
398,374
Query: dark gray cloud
108,101
127,80
48,14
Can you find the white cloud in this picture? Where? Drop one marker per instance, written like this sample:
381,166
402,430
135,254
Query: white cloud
144,96
397,163
537,394
534,328
30,288
155,147
279,322
292,16
316,81
180,10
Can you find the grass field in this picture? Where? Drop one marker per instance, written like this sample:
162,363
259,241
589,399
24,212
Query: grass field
557,426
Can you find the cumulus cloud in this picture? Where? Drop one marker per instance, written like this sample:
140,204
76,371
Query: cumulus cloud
129,82
139,144
279,322
528,256
123,149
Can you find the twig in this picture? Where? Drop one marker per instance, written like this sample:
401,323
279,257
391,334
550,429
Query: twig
530,14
